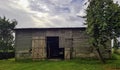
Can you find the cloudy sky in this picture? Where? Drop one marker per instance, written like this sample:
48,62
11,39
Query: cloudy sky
44,13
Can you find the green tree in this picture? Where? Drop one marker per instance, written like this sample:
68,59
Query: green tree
6,34
103,21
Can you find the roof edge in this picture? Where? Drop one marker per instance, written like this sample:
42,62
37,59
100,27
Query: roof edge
51,28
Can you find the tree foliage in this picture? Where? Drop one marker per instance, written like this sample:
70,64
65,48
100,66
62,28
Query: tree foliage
6,33
103,21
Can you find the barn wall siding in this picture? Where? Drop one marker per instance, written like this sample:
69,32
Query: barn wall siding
38,48
23,44
74,41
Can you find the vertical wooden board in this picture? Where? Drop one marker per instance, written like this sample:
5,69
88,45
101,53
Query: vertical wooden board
38,45
67,53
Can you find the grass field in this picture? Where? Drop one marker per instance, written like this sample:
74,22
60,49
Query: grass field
76,64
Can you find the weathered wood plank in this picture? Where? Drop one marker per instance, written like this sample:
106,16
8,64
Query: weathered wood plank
38,48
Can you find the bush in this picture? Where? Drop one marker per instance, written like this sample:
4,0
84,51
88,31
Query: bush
7,55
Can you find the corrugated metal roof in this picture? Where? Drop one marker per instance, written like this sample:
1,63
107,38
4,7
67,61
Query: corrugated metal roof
51,28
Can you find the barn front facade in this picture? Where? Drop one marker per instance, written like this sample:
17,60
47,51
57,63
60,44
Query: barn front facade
53,43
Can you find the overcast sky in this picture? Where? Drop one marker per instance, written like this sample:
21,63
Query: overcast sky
44,13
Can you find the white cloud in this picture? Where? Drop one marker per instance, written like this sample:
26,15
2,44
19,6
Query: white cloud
12,10
117,1
60,2
82,11
62,9
44,13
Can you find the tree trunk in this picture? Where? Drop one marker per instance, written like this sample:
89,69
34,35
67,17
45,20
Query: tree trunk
115,46
100,55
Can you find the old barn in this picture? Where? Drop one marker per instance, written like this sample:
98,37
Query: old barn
54,43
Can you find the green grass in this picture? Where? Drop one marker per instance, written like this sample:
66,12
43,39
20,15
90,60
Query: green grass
76,64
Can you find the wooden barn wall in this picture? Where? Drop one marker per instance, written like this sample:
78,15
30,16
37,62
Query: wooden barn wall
74,41
81,46
23,44
38,48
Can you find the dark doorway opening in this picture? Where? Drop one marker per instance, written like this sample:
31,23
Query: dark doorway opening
53,50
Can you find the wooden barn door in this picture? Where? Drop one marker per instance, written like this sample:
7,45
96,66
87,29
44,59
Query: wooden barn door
38,48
